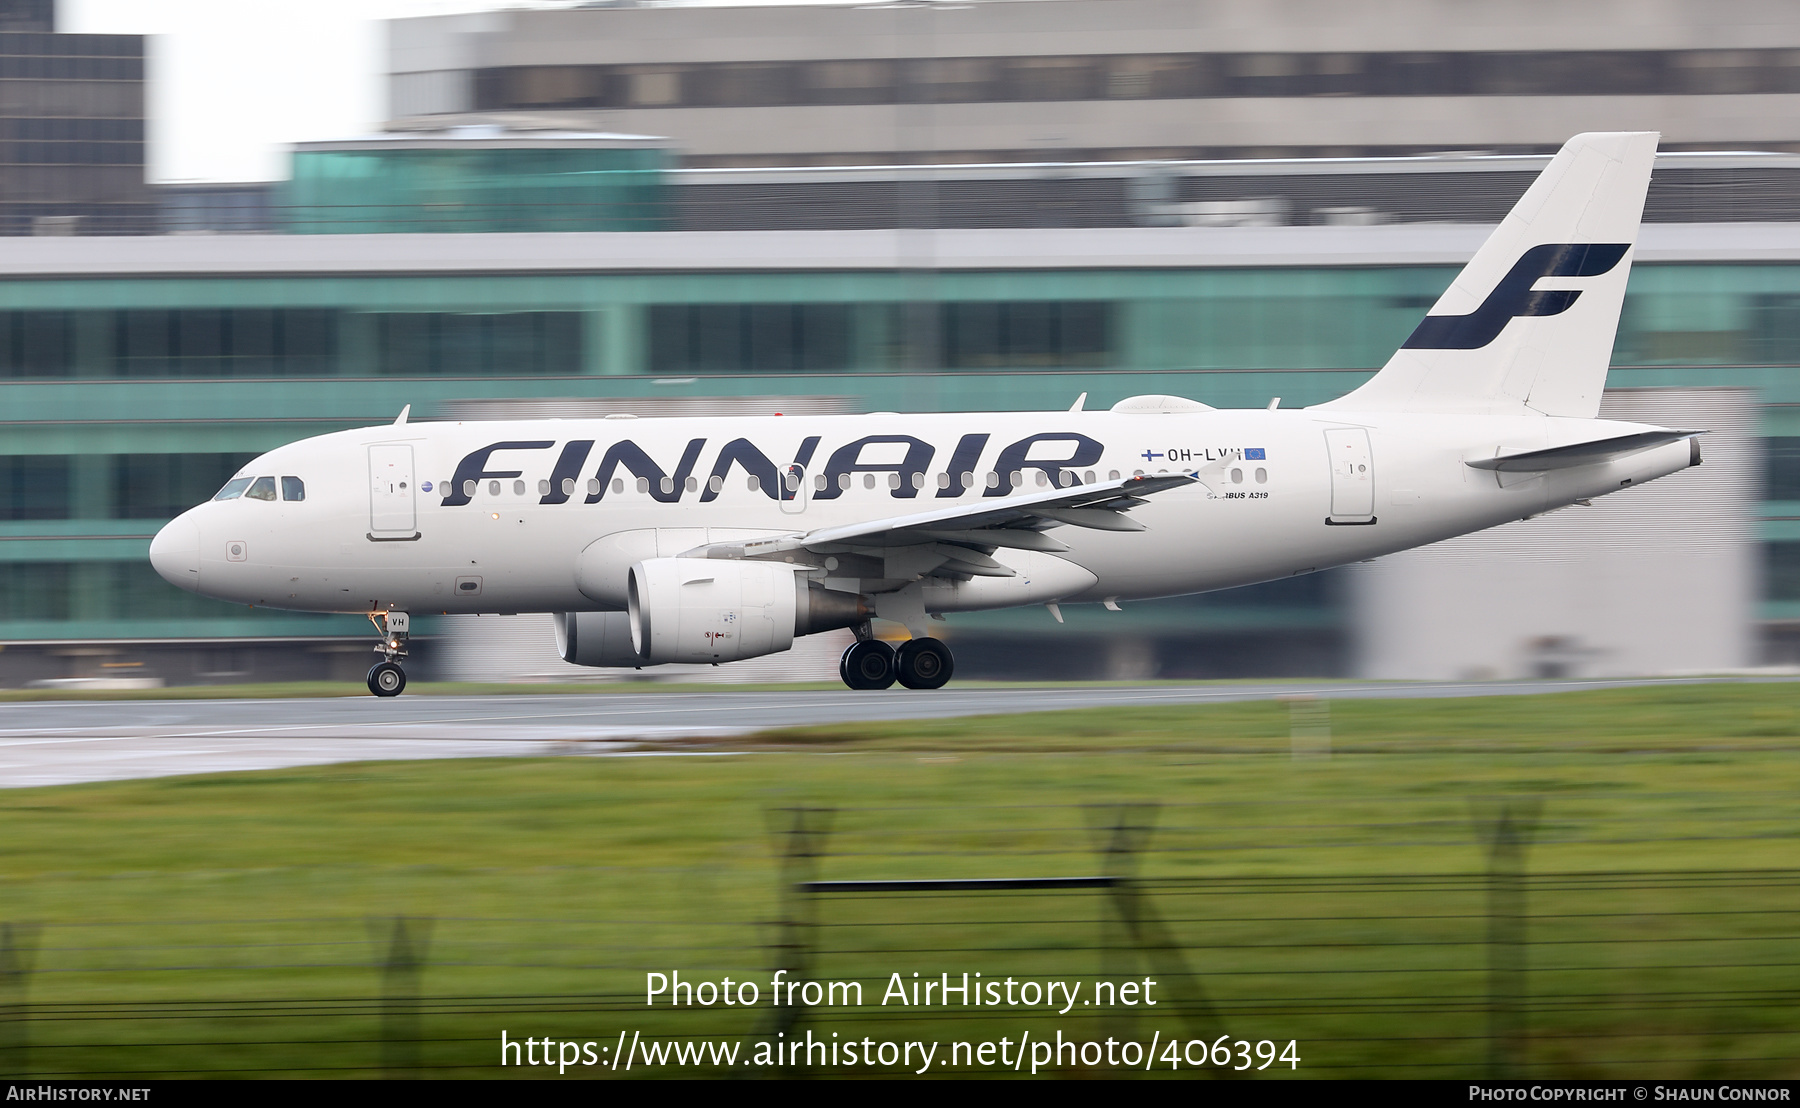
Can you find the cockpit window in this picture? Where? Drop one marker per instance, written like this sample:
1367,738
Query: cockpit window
263,489
292,488
234,488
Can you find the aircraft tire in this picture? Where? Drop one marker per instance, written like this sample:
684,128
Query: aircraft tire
924,664
387,679
868,664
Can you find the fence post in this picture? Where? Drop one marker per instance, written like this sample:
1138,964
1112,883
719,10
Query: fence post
1309,727
407,943
801,844
18,946
1120,833
1130,831
1507,832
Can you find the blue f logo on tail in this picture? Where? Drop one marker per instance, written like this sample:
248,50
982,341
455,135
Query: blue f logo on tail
1514,296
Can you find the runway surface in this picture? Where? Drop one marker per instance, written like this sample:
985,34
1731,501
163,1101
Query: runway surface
62,742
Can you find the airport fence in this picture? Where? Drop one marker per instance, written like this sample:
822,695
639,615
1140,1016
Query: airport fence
1188,952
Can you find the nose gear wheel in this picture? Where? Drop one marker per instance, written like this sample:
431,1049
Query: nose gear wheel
386,679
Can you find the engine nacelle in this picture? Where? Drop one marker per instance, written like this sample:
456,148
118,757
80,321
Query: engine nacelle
710,609
596,639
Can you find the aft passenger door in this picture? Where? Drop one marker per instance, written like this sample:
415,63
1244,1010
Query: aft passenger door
1352,477
391,505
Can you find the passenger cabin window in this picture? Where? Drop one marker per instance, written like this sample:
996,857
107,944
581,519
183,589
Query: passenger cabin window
263,489
292,488
234,488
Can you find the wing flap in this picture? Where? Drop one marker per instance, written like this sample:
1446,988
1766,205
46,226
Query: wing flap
1098,505
1098,518
958,538
1013,538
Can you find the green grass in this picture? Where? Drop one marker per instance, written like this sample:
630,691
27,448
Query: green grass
1338,901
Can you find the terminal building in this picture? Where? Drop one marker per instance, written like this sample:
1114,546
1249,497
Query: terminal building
1111,80
635,272
71,128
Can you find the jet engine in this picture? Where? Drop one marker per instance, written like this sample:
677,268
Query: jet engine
595,639
710,610
721,610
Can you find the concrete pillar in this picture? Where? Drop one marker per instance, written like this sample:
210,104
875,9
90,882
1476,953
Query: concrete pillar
90,486
91,353
359,344
91,591
872,337
613,340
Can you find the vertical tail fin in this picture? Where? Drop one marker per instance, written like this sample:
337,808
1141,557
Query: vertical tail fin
1529,322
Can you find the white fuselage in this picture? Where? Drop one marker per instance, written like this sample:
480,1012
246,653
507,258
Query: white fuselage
368,536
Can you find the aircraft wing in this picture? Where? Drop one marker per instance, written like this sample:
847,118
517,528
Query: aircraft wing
961,538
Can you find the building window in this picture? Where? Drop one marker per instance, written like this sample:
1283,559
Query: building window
231,342
1053,79
1775,329
162,486
36,344
950,80
749,338
479,344
1026,334
872,81
1782,570
741,85
654,88
36,591
1781,457
1142,76
34,486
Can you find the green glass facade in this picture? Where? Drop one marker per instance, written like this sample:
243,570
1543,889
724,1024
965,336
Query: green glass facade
126,399
380,189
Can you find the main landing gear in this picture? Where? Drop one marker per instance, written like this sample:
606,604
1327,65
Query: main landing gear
918,664
386,678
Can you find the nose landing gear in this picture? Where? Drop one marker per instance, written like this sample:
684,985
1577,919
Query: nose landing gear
386,678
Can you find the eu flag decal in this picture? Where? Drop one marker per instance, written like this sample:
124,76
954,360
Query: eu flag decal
1253,454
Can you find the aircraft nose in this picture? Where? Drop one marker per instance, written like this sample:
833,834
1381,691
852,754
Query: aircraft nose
175,554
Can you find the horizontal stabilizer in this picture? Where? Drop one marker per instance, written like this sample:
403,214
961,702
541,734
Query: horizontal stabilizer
1581,453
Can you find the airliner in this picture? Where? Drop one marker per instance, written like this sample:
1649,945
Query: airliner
710,540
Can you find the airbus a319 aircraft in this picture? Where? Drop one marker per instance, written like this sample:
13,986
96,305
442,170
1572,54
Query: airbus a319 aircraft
713,540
